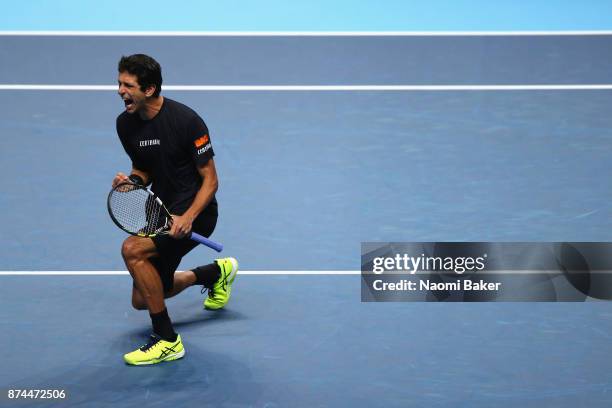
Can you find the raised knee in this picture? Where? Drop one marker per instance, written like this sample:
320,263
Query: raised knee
130,250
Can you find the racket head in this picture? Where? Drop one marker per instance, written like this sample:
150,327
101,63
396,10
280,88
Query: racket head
137,210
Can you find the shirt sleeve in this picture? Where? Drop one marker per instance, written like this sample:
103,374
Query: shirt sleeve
123,137
199,141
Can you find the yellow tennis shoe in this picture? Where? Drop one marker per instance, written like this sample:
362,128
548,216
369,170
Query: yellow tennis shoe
156,351
219,294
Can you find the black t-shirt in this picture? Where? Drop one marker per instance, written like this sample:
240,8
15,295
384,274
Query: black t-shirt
170,148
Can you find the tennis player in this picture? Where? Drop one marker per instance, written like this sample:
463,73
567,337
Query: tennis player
170,148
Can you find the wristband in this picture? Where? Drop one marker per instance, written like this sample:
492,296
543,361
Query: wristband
136,179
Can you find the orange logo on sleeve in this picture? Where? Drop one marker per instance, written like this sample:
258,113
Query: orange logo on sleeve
201,141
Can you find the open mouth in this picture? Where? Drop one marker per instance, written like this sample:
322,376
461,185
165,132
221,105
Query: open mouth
129,103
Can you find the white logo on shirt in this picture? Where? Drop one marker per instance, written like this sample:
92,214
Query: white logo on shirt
152,142
204,149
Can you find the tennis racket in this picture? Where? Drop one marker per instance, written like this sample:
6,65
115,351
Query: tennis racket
138,211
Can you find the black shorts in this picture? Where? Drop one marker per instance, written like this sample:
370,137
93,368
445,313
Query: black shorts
171,250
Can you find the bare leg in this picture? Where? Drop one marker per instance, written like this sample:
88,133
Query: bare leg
182,280
136,253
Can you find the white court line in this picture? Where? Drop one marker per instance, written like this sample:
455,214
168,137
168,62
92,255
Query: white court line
76,33
318,88
106,273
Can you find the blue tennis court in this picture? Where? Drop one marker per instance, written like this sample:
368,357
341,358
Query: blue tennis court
305,177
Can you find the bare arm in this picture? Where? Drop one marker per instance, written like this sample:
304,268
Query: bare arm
181,225
122,178
143,175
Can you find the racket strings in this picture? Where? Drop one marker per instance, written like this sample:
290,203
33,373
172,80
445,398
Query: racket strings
137,210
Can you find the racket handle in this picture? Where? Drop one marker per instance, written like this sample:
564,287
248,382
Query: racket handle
205,241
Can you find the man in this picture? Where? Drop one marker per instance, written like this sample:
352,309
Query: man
170,147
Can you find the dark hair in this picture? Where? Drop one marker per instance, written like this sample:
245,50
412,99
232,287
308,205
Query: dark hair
146,69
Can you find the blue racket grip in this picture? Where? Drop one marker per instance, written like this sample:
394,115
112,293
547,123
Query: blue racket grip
205,241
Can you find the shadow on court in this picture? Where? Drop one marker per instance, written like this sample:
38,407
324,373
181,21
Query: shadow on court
197,321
